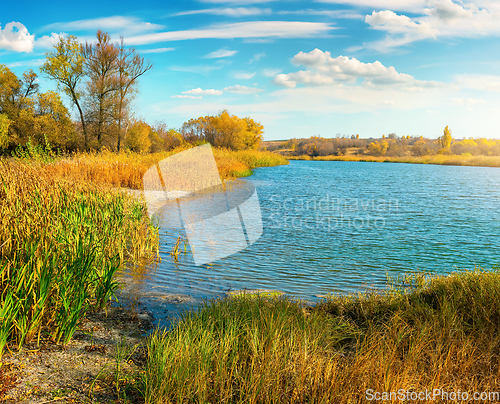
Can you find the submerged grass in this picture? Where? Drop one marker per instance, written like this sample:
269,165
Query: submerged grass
61,243
442,334
440,159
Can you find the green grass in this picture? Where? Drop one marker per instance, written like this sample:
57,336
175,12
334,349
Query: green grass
430,333
61,244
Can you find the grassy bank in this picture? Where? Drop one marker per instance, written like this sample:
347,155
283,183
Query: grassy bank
440,159
443,334
127,169
64,232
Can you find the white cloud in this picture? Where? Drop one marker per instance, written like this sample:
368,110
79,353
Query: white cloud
156,50
340,14
325,70
271,72
199,91
236,2
229,12
243,75
479,82
440,18
243,89
399,5
467,101
221,53
257,57
187,96
34,62
15,37
197,69
251,29
130,25
48,42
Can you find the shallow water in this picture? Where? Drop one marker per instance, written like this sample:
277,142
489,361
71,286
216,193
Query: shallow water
339,227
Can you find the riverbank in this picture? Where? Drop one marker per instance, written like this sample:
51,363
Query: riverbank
440,159
65,232
437,335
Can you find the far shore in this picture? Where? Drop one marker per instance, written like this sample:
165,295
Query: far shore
440,159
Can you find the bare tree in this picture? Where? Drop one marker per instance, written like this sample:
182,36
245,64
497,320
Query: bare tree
130,67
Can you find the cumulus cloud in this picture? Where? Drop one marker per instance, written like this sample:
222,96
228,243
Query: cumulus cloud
221,53
439,18
48,42
15,37
199,91
325,70
229,12
238,89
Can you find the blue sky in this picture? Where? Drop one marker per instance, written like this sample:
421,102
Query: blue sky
301,68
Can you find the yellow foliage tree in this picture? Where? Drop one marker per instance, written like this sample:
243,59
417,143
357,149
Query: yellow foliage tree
139,137
224,130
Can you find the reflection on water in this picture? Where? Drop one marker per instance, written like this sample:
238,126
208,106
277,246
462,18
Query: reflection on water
337,227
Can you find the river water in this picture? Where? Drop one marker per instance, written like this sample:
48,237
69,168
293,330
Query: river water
338,227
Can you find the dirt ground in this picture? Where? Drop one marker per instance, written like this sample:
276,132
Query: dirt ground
97,366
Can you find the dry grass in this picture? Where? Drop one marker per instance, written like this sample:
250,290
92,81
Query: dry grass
440,159
61,243
127,169
444,334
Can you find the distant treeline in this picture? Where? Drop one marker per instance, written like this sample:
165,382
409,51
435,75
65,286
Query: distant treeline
391,145
100,81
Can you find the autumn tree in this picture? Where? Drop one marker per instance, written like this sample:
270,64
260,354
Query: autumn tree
224,130
130,67
102,69
29,114
139,137
445,140
65,65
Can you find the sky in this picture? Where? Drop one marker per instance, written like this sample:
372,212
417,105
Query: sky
301,68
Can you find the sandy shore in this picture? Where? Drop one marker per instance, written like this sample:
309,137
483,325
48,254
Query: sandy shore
84,371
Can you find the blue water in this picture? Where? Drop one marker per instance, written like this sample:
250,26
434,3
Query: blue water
341,227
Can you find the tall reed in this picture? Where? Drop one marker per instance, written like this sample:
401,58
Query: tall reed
61,243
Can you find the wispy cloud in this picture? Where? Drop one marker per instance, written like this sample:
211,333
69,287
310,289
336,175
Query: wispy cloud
205,70
243,89
229,12
251,29
243,75
399,5
15,37
157,50
339,14
270,72
187,96
199,91
33,62
221,53
257,57
129,25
